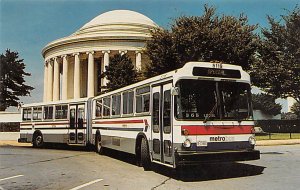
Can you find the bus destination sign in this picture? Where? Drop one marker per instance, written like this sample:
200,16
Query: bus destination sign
211,72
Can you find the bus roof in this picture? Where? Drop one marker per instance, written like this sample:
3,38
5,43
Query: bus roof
56,102
185,71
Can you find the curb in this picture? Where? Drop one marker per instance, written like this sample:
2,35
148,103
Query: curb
277,142
13,143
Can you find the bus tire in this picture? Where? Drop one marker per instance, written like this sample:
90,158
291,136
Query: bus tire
98,145
37,140
145,156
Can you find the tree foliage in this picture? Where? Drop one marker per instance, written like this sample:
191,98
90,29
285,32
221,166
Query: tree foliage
12,82
208,37
296,109
277,70
266,103
120,72
288,116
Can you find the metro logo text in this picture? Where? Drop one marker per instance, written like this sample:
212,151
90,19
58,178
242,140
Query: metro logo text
221,139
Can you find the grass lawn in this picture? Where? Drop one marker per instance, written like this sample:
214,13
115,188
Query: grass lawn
278,136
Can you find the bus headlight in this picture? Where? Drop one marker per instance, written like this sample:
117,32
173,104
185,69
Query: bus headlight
186,143
252,140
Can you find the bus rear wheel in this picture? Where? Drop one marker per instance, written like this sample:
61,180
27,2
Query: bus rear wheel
145,156
98,145
38,140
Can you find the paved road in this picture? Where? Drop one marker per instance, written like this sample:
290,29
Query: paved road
67,168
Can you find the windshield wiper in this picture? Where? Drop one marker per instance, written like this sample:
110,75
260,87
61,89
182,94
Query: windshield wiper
212,110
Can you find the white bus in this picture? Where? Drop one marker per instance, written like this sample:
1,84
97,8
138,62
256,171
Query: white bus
199,113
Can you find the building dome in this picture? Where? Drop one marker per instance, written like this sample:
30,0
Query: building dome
117,23
119,17
113,25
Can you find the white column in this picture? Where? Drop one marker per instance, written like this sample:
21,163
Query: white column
65,78
77,76
56,80
105,63
50,81
45,81
138,60
91,80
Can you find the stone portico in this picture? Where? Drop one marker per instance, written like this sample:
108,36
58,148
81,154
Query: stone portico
73,64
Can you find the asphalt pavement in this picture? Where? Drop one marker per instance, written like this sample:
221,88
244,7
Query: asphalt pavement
73,167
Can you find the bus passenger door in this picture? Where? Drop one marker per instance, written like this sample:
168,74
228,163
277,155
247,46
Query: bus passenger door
77,128
162,138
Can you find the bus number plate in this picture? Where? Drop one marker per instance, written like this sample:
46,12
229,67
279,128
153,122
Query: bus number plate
202,143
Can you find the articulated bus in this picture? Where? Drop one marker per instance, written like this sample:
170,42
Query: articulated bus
199,113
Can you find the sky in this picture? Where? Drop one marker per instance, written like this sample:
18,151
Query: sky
27,26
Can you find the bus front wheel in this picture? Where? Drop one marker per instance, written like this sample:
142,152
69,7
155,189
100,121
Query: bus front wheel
145,156
38,141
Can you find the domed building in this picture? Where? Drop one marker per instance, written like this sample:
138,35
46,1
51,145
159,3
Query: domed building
73,63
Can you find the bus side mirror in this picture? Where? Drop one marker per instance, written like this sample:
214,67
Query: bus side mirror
175,91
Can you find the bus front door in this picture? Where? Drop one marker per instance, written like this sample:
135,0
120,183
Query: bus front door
77,129
162,138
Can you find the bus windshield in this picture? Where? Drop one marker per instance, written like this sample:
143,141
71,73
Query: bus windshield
213,100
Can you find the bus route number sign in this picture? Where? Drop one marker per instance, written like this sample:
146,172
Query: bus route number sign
216,72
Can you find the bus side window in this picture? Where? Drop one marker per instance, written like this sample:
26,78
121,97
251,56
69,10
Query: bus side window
128,102
48,112
64,112
37,113
24,118
155,112
167,111
106,106
72,118
27,114
116,104
142,99
61,112
99,108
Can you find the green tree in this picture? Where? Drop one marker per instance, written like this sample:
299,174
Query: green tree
296,109
208,37
120,72
12,83
277,70
266,103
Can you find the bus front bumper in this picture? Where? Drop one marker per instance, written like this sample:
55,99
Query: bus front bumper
193,158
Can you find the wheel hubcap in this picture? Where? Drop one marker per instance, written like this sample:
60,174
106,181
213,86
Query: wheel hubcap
39,140
99,144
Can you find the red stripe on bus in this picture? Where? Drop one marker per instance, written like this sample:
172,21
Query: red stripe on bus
216,129
52,123
120,121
